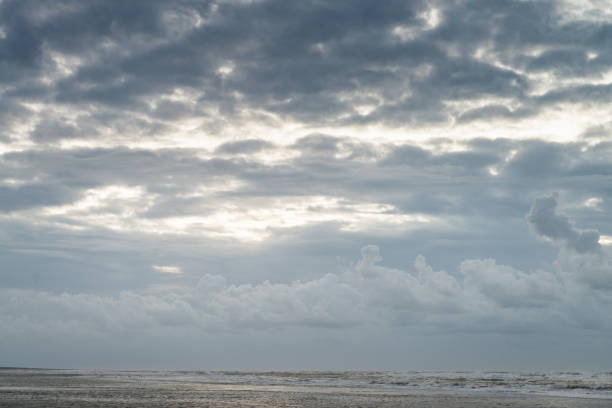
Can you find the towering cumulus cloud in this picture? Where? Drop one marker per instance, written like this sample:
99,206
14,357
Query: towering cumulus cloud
192,182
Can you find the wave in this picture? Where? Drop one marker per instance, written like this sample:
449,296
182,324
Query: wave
562,383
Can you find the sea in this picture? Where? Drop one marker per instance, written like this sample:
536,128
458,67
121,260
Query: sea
22,387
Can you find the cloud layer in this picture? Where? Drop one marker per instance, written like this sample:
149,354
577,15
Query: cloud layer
215,167
361,294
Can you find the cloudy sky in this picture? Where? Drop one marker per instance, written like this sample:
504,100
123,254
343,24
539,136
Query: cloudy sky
317,184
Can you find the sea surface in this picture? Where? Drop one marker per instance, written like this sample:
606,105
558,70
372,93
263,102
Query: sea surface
111,388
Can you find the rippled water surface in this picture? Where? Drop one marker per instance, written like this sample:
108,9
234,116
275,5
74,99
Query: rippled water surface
105,388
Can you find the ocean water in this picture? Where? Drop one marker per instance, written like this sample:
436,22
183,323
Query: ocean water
567,384
110,388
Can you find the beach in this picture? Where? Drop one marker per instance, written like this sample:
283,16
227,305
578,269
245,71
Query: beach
72,388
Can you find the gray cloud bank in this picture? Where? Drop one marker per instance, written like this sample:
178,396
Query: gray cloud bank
482,296
314,62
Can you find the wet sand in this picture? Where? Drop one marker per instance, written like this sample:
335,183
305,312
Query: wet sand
61,389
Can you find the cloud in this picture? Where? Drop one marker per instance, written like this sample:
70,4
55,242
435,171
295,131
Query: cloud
168,269
594,203
592,269
33,195
256,141
292,69
244,146
492,112
557,227
511,288
364,293
365,301
53,130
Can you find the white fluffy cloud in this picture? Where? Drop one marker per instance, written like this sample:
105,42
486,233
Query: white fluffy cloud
365,293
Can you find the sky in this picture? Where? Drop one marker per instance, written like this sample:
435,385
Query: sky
268,184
